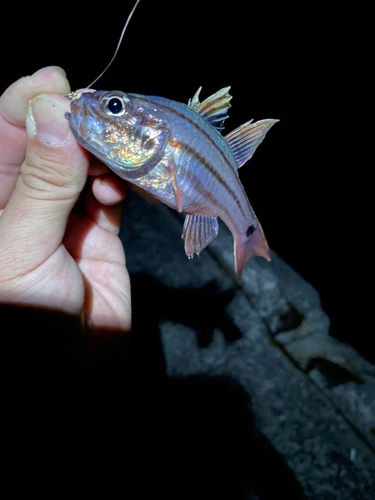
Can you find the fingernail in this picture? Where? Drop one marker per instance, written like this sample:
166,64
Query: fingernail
49,68
45,119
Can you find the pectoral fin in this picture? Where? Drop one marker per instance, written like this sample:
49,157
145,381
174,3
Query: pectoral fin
198,232
176,189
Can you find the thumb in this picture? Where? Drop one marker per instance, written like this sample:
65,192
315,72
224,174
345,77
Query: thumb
53,174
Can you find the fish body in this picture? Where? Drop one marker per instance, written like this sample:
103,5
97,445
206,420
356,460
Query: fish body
176,153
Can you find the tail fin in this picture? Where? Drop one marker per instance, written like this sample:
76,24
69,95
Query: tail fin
246,247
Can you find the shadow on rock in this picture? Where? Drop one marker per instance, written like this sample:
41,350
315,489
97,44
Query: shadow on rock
137,431
202,309
198,441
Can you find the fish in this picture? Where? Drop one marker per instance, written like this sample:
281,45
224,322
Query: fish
176,153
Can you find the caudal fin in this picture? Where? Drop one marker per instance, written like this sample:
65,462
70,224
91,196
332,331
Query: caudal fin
250,246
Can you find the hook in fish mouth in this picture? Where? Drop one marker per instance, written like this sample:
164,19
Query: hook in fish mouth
76,94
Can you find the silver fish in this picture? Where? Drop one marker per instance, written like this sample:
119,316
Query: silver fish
176,153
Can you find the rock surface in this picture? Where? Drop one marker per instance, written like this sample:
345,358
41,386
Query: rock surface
247,377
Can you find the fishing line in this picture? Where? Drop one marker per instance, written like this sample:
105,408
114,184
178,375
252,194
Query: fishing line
77,93
118,45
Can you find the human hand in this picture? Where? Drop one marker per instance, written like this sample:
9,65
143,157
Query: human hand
52,256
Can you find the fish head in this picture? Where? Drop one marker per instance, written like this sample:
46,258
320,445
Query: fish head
120,129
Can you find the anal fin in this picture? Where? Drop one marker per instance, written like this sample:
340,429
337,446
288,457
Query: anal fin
198,232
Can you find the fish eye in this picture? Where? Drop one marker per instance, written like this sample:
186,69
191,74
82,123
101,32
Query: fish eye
115,106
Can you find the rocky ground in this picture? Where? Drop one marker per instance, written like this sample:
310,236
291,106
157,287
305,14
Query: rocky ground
243,372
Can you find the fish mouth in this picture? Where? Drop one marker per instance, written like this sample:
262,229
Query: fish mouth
81,118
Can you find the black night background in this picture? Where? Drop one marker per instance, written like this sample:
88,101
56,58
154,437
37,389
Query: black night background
280,63
282,60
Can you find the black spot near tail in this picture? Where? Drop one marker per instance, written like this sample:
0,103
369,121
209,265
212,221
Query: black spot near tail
250,230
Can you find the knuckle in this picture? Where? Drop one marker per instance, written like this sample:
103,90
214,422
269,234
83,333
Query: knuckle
50,177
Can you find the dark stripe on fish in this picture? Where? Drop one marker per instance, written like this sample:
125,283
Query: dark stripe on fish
214,144
208,167
196,125
208,195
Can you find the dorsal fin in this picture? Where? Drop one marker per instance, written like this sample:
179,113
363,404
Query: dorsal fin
214,109
194,102
246,138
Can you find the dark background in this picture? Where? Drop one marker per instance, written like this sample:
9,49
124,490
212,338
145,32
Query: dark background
281,61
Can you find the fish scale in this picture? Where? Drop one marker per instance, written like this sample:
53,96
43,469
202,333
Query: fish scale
176,153
208,154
